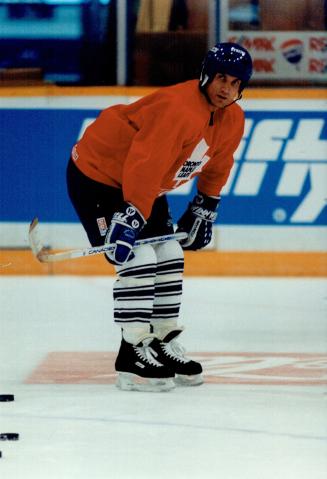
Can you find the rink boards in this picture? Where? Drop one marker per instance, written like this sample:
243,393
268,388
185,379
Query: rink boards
199,263
273,215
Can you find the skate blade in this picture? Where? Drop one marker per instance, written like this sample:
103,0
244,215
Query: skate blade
183,380
132,382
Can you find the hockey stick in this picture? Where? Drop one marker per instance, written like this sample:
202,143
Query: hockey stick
44,256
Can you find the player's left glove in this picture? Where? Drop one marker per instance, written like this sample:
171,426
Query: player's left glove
197,221
123,231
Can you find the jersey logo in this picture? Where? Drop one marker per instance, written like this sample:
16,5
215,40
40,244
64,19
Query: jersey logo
193,165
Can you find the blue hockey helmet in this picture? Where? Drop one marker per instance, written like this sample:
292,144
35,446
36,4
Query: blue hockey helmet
229,58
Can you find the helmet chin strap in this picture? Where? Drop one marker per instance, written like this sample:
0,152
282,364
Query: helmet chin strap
237,99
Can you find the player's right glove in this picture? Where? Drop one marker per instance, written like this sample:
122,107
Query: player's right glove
197,221
123,232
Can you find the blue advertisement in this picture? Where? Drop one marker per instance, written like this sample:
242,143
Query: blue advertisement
279,177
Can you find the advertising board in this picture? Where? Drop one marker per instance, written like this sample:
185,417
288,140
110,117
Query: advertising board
285,55
279,179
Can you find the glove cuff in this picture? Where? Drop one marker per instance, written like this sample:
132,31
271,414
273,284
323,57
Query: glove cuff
129,216
138,212
205,207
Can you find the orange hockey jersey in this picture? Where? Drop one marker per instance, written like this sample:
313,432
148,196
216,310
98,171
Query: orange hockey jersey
159,142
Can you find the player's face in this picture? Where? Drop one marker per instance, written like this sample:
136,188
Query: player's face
223,90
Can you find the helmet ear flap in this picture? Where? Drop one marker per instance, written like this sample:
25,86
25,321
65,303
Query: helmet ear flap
204,80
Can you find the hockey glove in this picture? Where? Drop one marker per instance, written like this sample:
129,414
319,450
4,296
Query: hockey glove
123,232
197,221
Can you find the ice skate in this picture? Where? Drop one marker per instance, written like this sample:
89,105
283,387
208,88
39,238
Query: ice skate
172,354
139,369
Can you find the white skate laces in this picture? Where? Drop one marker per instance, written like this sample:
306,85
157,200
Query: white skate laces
146,353
175,351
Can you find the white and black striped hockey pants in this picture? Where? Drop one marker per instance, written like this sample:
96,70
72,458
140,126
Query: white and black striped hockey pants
149,287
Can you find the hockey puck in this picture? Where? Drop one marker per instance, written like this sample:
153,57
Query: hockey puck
9,436
0,454
7,397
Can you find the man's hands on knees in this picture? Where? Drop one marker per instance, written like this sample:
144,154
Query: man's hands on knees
197,221
123,231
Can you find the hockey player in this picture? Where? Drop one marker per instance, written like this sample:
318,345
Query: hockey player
119,172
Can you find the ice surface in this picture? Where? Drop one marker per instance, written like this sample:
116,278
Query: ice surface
228,430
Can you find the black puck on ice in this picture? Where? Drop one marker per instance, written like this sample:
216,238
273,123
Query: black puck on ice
7,397
9,436
0,453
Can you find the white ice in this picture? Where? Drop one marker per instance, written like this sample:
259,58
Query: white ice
212,431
